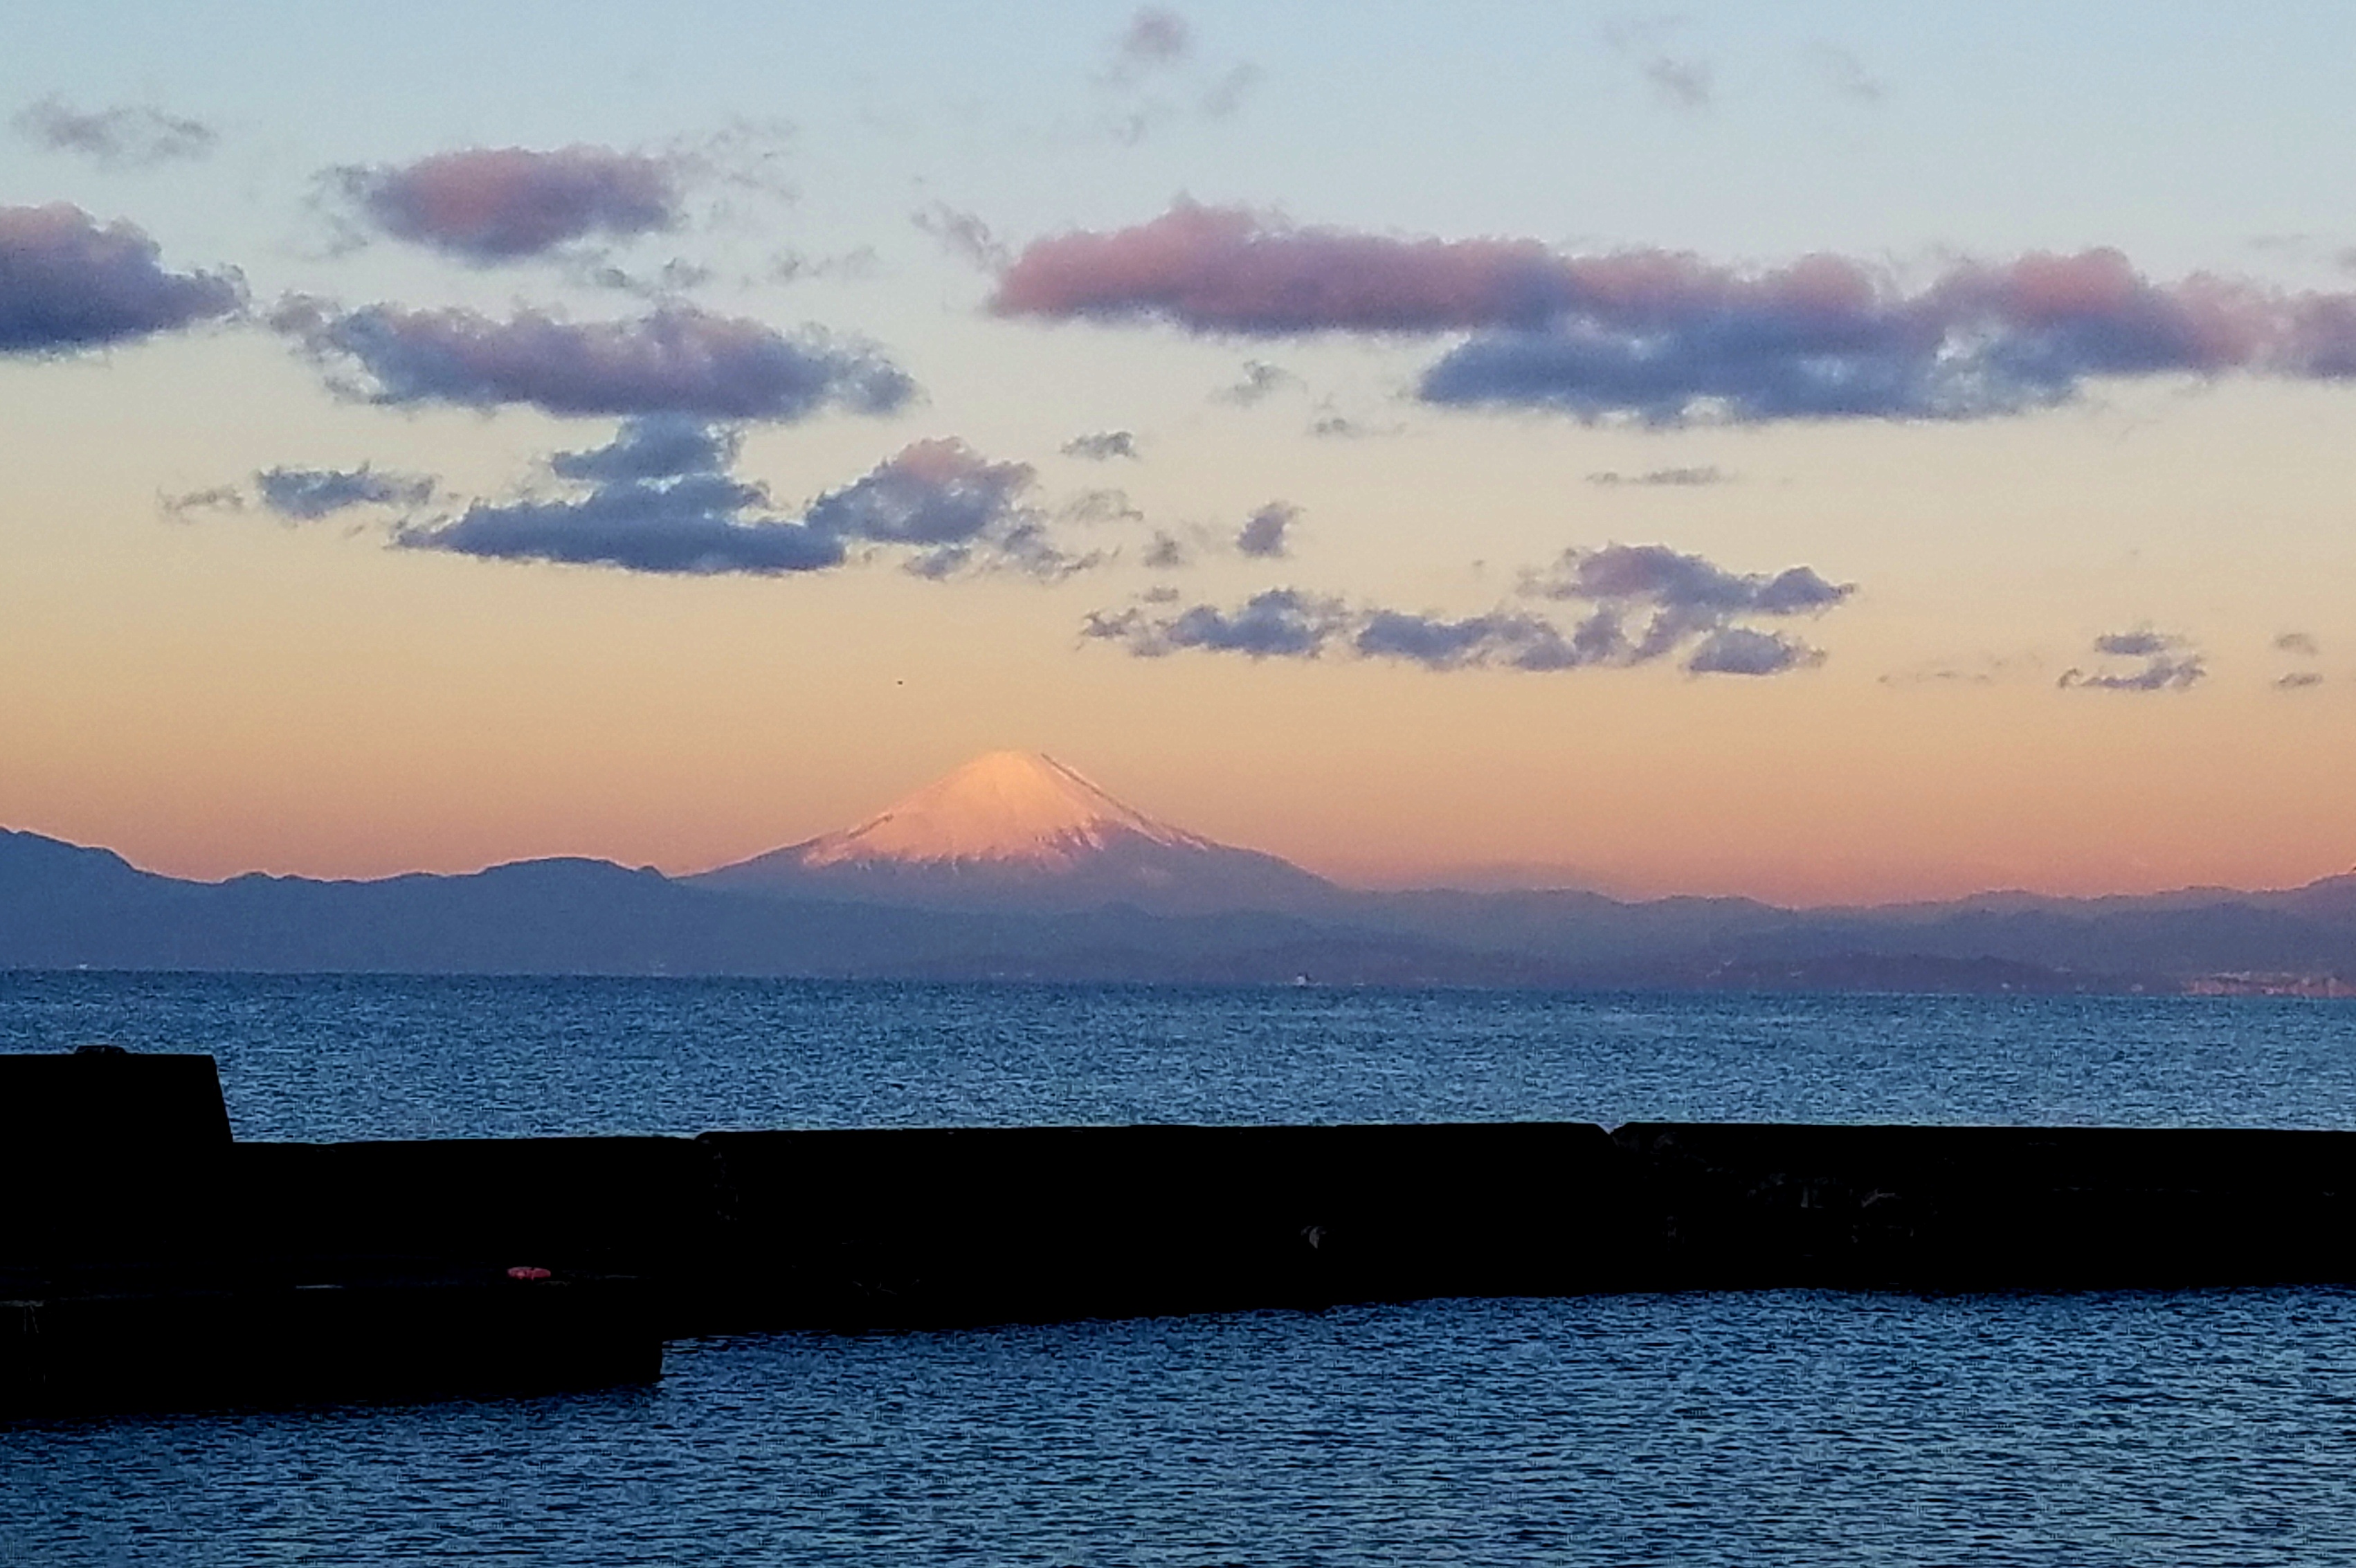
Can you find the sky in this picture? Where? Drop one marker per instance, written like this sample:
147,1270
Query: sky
1822,452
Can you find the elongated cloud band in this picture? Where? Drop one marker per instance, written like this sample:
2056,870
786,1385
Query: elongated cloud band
663,499
2140,660
496,204
677,359
1644,604
307,495
1665,338
134,136
68,282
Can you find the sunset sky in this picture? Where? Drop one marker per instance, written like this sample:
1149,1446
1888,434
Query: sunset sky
1825,451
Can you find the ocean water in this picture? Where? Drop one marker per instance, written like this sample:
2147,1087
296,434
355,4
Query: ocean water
1767,1427
352,1057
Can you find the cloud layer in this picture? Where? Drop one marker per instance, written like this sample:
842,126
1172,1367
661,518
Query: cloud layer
68,282
1664,337
498,204
1644,603
661,498
677,359
131,137
2140,660
307,495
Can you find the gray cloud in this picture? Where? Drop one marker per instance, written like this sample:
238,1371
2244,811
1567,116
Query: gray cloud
1644,604
1665,338
2302,644
667,280
129,137
1260,381
1262,535
1165,553
1680,84
2298,680
68,283
1282,623
1102,445
1676,478
1743,650
486,205
181,508
1228,94
963,235
653,446
308,494
2155,661
1677,81
676,359
1649,601
1155,37
1984,669
1101,506
660,498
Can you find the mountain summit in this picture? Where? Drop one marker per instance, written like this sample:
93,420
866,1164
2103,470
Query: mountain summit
1016,807
1020,830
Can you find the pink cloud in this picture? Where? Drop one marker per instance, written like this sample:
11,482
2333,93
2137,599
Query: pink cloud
494,204
1667,336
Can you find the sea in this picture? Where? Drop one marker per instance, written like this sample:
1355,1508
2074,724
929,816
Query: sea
1803,1427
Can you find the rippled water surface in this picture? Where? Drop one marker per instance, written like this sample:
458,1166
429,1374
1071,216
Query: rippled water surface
1777,1427
386,1057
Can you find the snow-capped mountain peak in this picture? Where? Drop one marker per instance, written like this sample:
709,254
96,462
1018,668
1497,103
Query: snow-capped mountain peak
1006,807
1019,830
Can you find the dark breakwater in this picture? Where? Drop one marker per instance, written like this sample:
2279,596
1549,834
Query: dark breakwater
158,1260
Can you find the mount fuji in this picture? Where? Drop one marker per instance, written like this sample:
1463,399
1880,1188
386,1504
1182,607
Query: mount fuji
1019,830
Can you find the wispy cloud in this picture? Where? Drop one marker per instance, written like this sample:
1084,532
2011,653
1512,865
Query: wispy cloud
2140,660
1156,71
1682,81
486,205
2298,645
1665,338
1263,536
1644,603
677,359
1260,381
1658,479
1103,446
662,497
67,282
1155,39
132,136
963,235
1847,75
307,495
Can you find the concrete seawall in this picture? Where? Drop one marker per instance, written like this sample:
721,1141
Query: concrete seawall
926,1227
153,1260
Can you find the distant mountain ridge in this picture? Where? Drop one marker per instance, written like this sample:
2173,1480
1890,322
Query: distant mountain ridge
1016,866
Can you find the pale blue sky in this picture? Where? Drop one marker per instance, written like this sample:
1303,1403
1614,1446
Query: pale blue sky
1988,553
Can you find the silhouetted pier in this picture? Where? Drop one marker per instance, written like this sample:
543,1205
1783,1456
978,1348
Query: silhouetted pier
149,1260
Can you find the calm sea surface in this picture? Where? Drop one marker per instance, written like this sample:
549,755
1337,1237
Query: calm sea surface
1801,1427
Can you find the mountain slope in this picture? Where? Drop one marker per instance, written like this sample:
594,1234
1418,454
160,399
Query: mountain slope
1019,830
